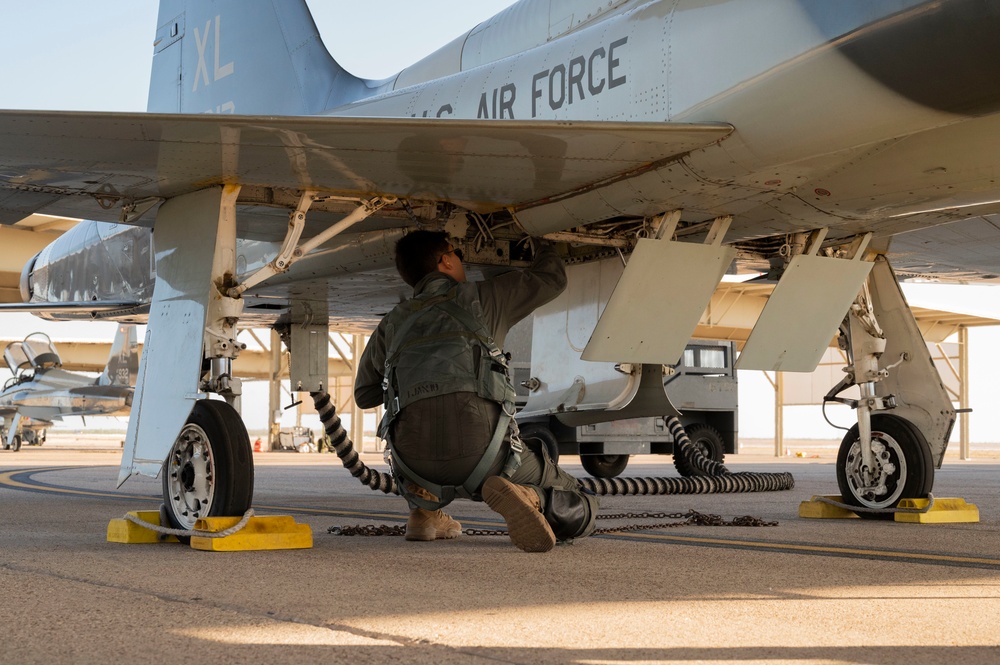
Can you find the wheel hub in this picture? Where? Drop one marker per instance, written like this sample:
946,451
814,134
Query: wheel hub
190,475
882,483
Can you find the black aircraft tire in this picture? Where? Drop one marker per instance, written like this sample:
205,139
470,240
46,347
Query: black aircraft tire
706,439
15,445
905,468
604,466
209,470
544,435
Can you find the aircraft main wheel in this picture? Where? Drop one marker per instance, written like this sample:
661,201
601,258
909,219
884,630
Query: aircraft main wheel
15,444
902,466
209,470
544,435
708,441
604,466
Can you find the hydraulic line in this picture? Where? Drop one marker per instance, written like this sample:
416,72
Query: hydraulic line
718,480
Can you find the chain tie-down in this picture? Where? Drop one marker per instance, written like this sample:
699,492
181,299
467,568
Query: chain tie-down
690,518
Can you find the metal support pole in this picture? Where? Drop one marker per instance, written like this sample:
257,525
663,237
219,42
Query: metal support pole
779,414
357,415
963,392
274,391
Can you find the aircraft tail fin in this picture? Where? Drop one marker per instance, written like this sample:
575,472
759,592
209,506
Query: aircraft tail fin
251,57
123,362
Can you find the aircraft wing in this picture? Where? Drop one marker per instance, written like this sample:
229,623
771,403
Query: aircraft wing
91,165
96,309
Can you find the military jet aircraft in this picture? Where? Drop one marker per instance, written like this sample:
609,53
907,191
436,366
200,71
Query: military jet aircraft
815,141
40,391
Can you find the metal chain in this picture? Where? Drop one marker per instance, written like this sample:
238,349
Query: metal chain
690,518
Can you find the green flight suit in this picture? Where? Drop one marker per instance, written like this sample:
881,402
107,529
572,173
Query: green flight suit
443,438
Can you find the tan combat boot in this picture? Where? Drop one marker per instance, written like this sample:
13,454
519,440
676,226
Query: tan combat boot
521,509
429,524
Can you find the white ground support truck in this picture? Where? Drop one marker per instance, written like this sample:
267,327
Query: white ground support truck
578,420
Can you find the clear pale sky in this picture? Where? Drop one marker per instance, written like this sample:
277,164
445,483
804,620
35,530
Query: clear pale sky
96,56
74,55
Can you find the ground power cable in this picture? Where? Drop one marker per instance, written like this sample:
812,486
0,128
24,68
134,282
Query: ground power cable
718,478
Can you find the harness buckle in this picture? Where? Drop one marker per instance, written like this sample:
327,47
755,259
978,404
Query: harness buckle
516,448
516,445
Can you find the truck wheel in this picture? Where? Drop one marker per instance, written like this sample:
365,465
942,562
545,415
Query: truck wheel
707,440
544,435
604,466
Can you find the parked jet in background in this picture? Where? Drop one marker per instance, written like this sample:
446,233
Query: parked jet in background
27,432
41,390
807,138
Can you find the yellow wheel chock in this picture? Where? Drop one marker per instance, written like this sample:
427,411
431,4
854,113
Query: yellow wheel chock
272,532
942,511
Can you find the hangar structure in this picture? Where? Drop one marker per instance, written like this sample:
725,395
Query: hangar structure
266,362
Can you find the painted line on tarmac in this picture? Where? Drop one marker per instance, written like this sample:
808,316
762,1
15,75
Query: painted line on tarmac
819,550
22,480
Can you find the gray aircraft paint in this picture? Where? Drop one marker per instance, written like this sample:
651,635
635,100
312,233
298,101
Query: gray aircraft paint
676,60
657,61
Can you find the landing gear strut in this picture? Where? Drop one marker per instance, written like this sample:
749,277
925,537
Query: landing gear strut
904,413
201,447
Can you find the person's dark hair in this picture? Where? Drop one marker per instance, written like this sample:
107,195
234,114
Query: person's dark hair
418,253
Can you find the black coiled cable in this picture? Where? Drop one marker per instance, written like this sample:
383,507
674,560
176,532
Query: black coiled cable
718,480
344,447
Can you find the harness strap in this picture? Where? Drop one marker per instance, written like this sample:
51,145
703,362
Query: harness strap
473,328
444,493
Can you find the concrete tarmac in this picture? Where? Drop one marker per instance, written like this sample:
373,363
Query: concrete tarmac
804,591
